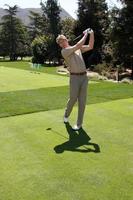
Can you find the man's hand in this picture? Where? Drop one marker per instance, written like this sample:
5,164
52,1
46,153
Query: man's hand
88,31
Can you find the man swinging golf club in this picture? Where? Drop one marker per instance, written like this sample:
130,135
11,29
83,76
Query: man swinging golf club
78,75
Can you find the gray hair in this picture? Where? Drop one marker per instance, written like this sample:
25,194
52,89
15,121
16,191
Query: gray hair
60,37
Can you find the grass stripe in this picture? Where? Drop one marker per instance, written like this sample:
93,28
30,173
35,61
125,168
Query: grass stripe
43,99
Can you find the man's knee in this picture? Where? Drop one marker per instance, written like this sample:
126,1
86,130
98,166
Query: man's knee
73,99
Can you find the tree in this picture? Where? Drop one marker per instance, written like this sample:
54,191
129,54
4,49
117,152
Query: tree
122,30
93,14
38,25
68,28
52,11
41,47
13,35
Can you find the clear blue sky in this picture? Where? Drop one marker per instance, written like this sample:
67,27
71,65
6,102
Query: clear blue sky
69,5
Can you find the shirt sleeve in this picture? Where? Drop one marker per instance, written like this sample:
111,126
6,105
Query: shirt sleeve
68,51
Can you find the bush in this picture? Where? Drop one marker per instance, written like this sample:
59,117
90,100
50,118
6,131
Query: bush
101,68
41,49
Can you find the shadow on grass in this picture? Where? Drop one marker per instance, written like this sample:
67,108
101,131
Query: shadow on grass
77,139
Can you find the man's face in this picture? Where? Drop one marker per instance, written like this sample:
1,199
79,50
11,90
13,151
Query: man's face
63,43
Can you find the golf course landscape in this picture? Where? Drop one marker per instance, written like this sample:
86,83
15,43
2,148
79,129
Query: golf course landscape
41,158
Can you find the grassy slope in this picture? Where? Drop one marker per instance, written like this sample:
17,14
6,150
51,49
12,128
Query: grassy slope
28,66
31,169
27,101
12,79
24,92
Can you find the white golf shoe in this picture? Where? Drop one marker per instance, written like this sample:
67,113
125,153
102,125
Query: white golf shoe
76,128
65,119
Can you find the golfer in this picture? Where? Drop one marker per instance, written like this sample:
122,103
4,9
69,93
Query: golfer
78,75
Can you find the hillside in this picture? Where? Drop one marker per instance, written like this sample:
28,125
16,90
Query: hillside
23,14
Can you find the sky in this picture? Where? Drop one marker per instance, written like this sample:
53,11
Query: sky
69,5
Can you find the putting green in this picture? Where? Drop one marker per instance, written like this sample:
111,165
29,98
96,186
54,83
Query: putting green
12,79
31,169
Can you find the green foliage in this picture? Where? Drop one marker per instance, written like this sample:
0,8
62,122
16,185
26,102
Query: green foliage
41,47
122,38
13,36
68,28
52,10
38,25
101,68
93,14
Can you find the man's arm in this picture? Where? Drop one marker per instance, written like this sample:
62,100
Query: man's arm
82,41
68,51
90,46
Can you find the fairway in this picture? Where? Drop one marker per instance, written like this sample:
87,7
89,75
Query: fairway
30,168
41,158
12,79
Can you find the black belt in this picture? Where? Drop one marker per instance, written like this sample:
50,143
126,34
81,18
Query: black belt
81,73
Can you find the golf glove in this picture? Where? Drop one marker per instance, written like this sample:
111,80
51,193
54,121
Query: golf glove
88,30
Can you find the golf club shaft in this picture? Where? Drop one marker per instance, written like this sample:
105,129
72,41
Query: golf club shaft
78,37
81,34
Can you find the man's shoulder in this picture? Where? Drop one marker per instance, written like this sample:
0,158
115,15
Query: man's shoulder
65,50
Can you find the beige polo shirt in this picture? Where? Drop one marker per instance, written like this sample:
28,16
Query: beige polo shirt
74,59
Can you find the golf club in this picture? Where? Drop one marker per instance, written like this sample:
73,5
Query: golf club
88,30
78,37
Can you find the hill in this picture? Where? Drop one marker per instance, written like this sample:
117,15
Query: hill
23,14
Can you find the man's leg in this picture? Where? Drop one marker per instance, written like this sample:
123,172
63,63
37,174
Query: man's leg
74,90
82,101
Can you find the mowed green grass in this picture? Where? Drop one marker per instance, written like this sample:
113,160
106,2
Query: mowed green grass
42,159
22,91
28,66
12,79
31,169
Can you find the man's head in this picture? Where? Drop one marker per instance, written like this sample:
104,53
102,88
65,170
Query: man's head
62,41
